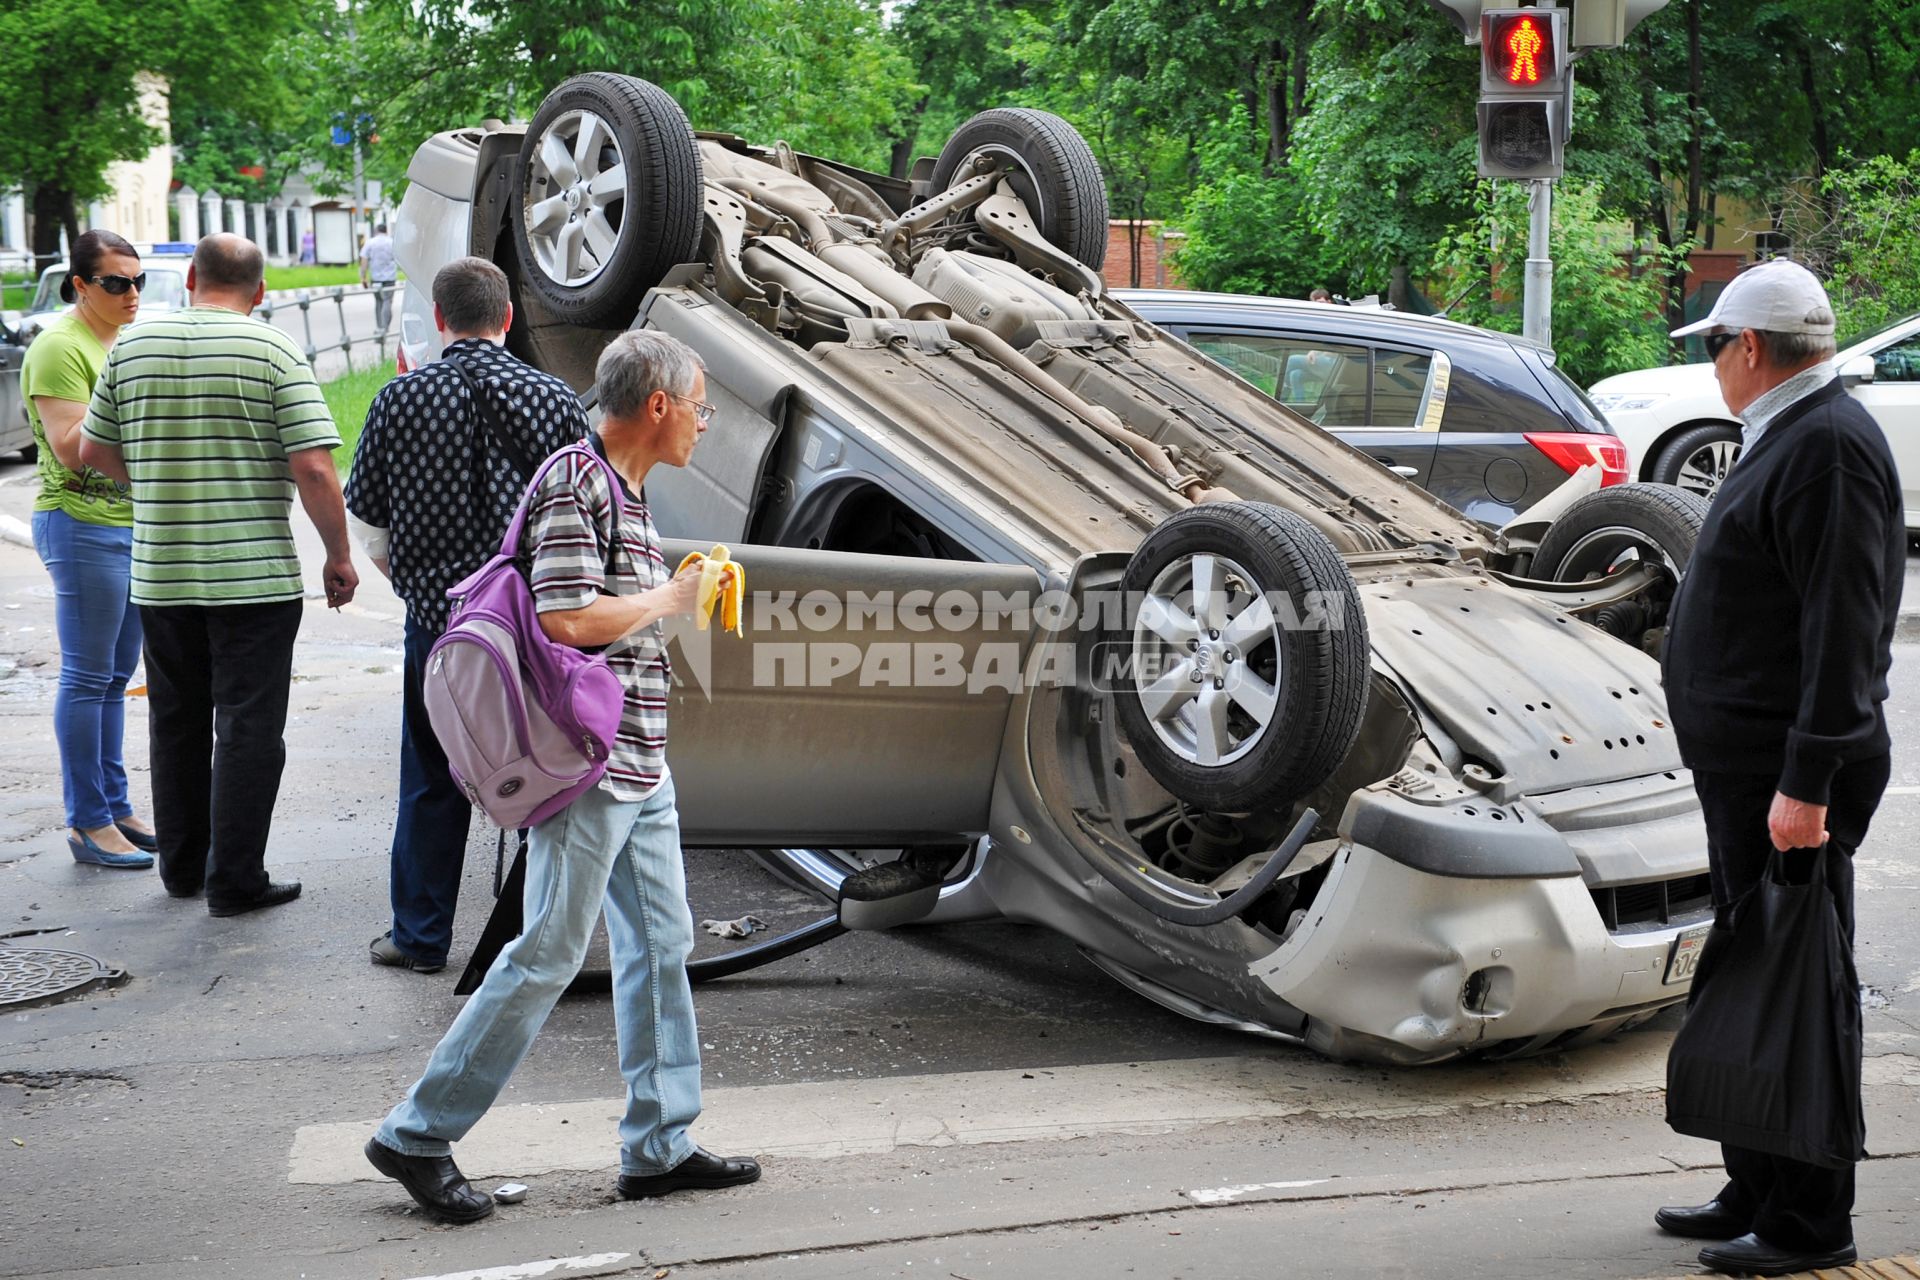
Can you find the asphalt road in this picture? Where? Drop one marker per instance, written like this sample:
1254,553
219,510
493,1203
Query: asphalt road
964,1101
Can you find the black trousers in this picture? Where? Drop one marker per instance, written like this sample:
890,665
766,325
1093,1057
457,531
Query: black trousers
218,679
1792,1205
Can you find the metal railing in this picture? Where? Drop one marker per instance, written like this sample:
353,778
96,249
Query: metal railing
300,309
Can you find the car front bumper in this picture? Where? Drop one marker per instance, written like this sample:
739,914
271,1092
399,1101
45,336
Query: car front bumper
1429,964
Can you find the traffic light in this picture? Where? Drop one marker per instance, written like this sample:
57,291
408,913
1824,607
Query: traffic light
1526,90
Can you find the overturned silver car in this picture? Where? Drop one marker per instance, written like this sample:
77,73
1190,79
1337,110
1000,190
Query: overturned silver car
1054,619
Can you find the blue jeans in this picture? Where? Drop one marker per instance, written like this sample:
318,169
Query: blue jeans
627,854
99,647
430,831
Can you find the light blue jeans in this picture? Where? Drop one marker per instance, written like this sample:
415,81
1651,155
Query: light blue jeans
627,854
99,647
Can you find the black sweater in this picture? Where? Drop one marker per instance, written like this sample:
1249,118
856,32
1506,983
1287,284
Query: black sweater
1781,633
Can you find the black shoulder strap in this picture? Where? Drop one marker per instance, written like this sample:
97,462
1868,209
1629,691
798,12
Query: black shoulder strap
522,463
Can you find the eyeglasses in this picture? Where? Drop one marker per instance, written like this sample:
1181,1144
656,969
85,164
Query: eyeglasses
117,285
701,409
1718,342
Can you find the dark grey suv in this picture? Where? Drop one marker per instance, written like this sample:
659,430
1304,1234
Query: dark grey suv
1482,420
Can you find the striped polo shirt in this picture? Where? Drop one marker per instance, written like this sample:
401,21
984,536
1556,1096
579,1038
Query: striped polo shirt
572,555
205,405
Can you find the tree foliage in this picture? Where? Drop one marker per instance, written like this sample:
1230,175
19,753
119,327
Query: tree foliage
1295,142
1607,309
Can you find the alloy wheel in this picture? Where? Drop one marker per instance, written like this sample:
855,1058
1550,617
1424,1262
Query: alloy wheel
1206,657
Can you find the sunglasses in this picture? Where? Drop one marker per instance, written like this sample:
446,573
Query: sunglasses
1716,343
701,408
117,285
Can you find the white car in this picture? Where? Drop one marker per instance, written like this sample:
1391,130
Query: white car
1678,430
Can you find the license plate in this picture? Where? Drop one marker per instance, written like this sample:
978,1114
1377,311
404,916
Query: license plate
1684,958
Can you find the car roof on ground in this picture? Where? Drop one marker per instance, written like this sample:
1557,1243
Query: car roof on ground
1333,317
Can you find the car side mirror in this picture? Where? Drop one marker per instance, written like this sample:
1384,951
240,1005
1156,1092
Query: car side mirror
1857,371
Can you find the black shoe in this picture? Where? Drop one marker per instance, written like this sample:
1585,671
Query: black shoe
701,1169
276,892
385,952
435,1183
1709,1221
1752,1256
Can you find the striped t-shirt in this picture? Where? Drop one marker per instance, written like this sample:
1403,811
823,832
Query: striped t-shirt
205,405
565,552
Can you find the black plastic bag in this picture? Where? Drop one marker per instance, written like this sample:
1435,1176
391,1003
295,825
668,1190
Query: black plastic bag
1769,1056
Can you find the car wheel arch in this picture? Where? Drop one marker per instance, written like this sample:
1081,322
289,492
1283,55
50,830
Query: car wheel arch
1650,457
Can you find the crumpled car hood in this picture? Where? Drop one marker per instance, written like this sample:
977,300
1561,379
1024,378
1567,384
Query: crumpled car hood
1539,698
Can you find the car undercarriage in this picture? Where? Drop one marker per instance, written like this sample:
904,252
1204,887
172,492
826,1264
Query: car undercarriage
1092,632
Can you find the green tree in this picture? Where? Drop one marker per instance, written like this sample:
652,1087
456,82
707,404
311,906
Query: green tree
72,108
1387,178
1860,231
966,56
1607,310
1248,231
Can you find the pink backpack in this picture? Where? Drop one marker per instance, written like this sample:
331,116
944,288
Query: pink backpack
527,724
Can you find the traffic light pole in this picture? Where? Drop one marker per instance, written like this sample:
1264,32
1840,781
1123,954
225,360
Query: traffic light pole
1536,305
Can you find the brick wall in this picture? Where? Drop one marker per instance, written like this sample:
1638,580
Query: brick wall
1156,245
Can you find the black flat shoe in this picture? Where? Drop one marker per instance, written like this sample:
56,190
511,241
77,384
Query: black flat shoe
1752,1256
385,952
276,892
702,1169
1709,1221
435,1183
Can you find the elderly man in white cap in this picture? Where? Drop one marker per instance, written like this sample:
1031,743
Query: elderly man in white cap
1776,671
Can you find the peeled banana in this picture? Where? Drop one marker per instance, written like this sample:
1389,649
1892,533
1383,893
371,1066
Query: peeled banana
723,582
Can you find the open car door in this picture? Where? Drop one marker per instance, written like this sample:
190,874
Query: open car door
864,706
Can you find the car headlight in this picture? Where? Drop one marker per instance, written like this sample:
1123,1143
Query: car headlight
1626,401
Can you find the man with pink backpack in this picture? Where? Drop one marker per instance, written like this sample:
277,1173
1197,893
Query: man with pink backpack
592,559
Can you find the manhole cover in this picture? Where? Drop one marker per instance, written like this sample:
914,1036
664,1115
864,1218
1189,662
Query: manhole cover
30,976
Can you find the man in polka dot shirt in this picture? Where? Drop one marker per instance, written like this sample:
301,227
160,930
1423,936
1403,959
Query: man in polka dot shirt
431,492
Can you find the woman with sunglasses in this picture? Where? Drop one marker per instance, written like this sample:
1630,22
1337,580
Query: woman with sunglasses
83,530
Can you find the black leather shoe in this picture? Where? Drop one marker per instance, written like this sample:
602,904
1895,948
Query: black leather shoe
384,951
701,1169
435,1183
276,892
1752,1256
1709,1221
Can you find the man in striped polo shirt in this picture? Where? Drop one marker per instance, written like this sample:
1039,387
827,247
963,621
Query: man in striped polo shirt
598,581
215,420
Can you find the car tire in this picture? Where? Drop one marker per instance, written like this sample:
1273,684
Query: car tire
1054,172
30,453
610,197
1593,534
1306,673
1697,459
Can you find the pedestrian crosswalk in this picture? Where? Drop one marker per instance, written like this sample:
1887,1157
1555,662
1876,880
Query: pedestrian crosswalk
827,1119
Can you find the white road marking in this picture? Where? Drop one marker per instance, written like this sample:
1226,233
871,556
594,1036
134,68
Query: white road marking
826,1119
1224,1195
832,1118
533,1270
1903,791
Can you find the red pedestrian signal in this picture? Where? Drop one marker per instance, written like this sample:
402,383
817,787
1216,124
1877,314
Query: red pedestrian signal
1522,51
1526,91
1521,46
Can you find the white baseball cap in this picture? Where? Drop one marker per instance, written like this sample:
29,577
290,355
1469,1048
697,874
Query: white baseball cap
1774,297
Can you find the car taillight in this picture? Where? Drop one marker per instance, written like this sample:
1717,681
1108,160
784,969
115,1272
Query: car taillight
1572,450
400,362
